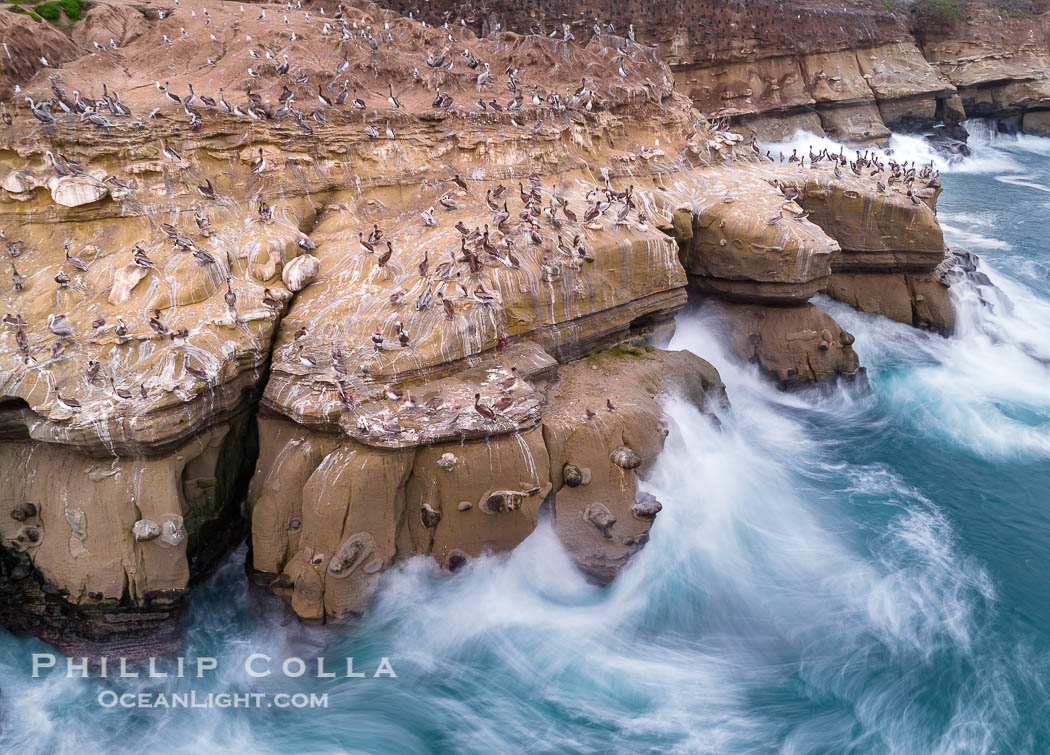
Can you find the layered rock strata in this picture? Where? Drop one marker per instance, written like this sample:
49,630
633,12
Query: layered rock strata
853,71
330,512
391,307
999,62
890,241
167,271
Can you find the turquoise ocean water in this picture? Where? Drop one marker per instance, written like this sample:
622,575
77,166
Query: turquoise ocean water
867,571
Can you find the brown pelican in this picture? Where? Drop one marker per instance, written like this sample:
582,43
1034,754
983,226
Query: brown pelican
385,256
78,264
206,189
482,409
40,111
259,165
59,325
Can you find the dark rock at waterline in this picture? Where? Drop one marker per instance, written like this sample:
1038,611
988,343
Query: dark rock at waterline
959,265
950,142
30,605
457,559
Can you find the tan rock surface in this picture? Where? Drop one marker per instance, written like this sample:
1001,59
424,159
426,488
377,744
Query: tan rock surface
153,255
105,23
890,242
25,42
413,288
330,513
852,70
796,346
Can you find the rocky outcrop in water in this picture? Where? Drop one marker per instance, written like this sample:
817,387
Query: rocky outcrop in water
390,282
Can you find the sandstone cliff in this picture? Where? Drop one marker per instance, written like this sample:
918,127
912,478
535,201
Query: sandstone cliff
385,272
851,70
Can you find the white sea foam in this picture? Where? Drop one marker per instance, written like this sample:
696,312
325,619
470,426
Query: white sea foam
988,153
789,599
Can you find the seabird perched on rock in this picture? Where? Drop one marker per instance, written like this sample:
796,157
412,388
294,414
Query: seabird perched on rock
259,165
385,256
271,301
78,264
204,257
170,94
40,111
60,326
69,403
482,409
206,189
304,358
510,382
95,119
140,258
157,324
168,152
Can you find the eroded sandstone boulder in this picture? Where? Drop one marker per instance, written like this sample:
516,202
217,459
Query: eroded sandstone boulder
796,346
92,540
890,241
613,445
330,513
